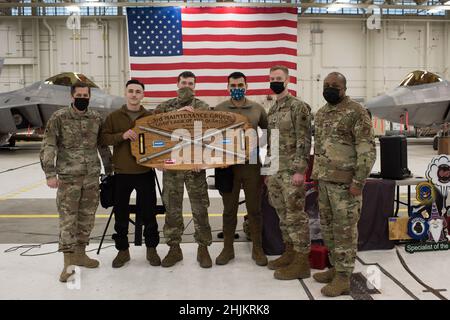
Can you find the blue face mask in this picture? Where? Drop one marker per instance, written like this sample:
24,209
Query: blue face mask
237,93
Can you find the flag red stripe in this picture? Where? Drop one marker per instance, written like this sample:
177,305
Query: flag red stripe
242,10
206,79
239,38
238,52
239,24
209,93
209,65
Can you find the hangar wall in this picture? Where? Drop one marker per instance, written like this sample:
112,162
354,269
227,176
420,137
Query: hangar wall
373,60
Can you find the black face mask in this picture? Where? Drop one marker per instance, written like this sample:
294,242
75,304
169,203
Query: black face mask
81,103
277,86
332,95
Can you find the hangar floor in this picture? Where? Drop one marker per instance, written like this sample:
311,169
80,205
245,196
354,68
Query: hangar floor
28,217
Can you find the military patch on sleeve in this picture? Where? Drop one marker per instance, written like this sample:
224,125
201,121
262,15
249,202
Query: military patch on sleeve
366,131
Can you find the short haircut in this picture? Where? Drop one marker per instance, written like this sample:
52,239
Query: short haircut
237,75
134,81
339,75
280,67
186,74
79,84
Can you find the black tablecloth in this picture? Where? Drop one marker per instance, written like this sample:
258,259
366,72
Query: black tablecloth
373,230
377,207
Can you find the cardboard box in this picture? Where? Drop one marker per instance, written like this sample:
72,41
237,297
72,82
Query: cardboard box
398,228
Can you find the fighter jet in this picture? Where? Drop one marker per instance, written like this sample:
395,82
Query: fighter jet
31,107
422,99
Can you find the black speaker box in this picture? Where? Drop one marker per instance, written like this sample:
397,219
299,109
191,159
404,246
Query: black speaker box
394,157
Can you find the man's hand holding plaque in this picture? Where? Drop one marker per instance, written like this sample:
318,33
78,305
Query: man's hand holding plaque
130,135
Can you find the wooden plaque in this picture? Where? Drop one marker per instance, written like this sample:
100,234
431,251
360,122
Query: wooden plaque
182,140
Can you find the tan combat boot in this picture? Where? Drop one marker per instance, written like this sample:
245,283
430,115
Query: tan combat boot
259,256
326,276
284,260
123,256
298,269
82,260
152,257
340,285
173,256
228,249
203,256
68,261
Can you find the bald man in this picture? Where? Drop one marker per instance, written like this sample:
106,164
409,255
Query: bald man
344,154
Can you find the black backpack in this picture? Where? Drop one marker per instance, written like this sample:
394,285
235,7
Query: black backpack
107,191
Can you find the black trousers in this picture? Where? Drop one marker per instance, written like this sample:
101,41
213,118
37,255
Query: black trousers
144,184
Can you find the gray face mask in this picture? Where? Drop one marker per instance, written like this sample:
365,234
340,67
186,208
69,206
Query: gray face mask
185,95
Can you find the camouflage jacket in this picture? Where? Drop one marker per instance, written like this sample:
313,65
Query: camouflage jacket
73,138
344,143
173,105
292,117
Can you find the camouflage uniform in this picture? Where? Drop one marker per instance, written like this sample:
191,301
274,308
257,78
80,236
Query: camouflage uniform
72,138
173,190
344,155
292,117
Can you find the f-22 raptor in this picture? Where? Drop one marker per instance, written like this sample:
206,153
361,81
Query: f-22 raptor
422,97
29,108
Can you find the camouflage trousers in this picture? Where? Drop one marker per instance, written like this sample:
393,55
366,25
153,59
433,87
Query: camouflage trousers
77,200
339,215
289,202
173,190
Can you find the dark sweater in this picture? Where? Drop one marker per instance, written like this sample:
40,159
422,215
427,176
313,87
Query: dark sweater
116,124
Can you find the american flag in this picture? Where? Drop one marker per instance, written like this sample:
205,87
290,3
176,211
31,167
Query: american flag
212,43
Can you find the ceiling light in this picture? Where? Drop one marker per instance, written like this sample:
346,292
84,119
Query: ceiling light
335,7
73,9
436,10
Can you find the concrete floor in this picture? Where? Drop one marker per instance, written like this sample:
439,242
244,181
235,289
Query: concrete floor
28,216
